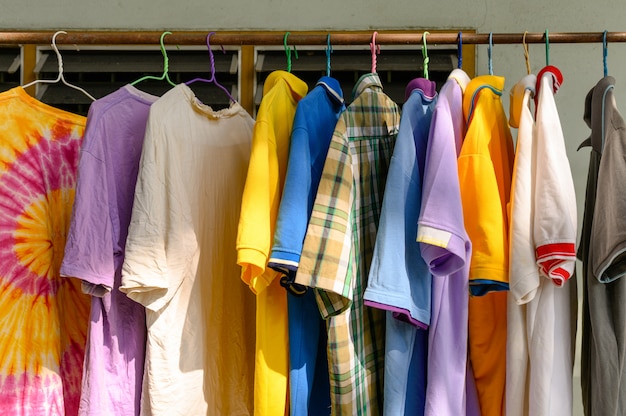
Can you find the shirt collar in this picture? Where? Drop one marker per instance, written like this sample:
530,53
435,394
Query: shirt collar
516,100
370,80
474,88
332,87
296,85
427,88
597,114
460,77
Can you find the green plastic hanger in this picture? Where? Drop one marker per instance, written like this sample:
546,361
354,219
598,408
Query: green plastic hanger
165,75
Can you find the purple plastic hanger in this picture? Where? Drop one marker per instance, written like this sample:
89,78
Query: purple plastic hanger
212,79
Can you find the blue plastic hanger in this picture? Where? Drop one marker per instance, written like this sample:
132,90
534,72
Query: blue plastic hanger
605,52
460,51
212,79
425,54
489,53
329,50
165,75
375,49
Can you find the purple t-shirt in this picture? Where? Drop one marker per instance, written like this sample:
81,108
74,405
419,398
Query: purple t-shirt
446,249
94,253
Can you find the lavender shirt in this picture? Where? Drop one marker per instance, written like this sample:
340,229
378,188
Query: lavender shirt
446,249
94,253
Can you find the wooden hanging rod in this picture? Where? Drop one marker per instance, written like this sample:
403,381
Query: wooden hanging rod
296,38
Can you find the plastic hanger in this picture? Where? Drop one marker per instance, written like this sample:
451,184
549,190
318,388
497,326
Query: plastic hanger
489,51
288,51
60,77
425,54
329,50
166,61
460,51
375,49
212,79
547,48
605,52
526,54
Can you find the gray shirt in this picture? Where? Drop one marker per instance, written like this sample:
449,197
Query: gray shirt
602,250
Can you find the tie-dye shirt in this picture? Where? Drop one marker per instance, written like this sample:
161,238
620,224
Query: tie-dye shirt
43,318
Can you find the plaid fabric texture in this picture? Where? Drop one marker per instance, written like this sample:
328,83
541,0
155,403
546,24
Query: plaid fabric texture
340,241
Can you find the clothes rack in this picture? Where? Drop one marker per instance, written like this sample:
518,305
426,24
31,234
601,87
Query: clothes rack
296,38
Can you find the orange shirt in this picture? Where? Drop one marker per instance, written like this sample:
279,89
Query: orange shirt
485,171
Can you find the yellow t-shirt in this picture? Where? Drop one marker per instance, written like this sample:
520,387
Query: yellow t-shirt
485,171
259,209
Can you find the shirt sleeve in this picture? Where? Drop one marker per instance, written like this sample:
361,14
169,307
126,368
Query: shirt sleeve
555,201
293,213
161,242
441,233
609,222
89,253
254,232
327,253
523,270
397,266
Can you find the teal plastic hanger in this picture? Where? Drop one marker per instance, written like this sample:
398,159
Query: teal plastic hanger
329,50
425,54
165,75
547,48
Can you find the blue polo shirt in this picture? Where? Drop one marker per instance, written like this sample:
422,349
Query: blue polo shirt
313,127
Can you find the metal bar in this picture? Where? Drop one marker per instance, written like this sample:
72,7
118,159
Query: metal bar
295,38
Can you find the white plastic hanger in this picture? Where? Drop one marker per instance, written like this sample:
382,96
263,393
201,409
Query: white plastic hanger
60,77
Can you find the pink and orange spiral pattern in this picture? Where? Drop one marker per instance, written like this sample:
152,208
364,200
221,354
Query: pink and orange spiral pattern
43,317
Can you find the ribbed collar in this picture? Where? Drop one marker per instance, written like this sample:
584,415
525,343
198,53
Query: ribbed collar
333,89
516,100
490,82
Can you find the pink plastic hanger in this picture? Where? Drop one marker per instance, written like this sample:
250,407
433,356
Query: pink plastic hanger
212,79
375,49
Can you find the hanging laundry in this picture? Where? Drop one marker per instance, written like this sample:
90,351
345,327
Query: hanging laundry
43,317
399,281
180,259
94,253
446,249
313,126
340,241
485,168
601,250
259,209
542,302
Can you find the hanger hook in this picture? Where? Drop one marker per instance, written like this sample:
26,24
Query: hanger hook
288,51
605,52
460,51
211,57
489,52
329,50
425,54
526,54
375,49
547,47
166,59
53,43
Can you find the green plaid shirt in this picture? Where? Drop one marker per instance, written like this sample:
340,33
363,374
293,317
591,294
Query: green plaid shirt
338,247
